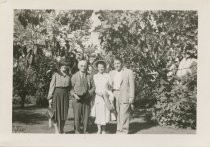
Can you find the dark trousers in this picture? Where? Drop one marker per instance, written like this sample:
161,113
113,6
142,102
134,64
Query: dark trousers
61,124
81,110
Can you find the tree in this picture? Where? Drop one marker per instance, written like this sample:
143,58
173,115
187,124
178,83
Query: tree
41,38
152,43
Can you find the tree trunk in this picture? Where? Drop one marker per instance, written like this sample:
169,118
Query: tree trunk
23,97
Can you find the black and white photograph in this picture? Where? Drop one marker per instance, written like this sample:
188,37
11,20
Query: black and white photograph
118,73
104,71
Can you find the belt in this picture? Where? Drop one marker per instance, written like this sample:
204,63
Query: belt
62,87
116,90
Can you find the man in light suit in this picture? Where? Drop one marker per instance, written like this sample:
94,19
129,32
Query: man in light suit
82,90
122,81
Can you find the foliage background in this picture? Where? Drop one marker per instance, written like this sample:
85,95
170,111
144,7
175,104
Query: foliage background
151,43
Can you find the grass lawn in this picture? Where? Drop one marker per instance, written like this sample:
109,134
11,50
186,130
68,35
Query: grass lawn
32,119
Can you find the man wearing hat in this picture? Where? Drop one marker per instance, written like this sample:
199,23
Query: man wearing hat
82,90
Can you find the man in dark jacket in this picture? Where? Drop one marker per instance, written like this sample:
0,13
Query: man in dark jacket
82,90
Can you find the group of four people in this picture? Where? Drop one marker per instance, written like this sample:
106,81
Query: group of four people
104,96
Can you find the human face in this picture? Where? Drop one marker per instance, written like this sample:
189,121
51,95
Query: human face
63,68
83,66
101,68
117,65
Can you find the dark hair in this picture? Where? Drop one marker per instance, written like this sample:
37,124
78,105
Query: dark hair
118,59
63,64
102,63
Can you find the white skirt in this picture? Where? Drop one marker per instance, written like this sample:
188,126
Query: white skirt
101,113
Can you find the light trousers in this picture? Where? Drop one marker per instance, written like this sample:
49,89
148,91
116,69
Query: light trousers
123,114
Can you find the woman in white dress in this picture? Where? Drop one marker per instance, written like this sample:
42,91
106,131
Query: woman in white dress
103,104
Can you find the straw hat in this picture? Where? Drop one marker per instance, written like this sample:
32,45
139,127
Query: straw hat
95,64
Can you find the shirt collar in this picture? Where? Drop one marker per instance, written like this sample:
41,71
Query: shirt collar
123,68
82,74
61,74
119,71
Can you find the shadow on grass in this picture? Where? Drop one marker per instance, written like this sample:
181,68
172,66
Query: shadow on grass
134,127
92,129
27,107
28,115
138,126
140,122
36,115
70,132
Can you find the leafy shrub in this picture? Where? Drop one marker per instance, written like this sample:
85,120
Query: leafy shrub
153,44
177,107
17,100
41,99
41,38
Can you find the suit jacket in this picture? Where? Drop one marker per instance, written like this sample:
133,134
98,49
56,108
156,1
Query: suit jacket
75,80
127,85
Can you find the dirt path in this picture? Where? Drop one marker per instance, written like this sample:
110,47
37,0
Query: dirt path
33,120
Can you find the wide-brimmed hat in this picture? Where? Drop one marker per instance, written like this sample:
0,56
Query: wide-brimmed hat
95,64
